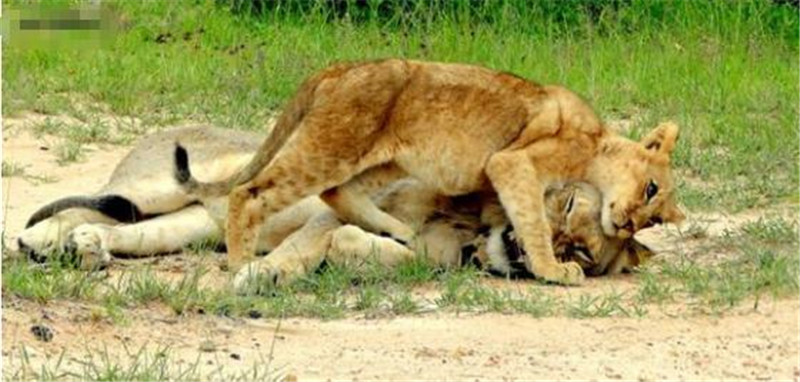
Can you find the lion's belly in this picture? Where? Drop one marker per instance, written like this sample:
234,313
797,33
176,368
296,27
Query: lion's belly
452,167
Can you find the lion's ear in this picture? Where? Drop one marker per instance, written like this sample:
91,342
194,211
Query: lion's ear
662,139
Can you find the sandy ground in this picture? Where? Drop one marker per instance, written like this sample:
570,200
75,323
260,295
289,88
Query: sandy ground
746,344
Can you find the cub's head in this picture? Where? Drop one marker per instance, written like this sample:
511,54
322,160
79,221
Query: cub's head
574,215
635,180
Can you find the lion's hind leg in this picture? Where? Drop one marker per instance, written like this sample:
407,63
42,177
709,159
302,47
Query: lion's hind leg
301,170
353,204
338,137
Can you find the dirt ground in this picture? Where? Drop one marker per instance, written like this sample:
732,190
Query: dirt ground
745,344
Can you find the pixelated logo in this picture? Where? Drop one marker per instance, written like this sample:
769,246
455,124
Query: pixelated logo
59,24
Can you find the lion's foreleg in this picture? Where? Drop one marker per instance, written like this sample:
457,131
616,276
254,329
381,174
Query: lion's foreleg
353,247
521,193
300,253
163,234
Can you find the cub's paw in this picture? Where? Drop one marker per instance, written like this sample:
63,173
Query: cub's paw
569,273
88,243
264,275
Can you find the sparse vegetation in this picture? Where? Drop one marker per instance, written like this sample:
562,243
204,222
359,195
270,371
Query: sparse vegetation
729,80
725,71
760,262
142,364
68,152
12,169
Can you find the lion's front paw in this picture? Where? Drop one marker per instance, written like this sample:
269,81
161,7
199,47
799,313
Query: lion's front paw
262,275
88,243
569,273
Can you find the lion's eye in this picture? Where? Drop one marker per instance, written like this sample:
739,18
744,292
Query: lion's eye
651,190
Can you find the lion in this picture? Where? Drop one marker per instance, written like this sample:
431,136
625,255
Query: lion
142,211
353,128
453,233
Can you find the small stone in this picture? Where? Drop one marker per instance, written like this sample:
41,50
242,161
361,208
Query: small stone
254,314
236,356
42,333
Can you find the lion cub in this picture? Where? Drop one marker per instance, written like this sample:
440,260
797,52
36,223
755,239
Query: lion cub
573,212
352,129
452,234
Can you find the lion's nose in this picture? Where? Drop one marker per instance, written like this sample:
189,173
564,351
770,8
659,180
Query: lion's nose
625,230
628,226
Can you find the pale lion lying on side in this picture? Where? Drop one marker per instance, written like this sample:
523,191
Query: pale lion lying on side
143,211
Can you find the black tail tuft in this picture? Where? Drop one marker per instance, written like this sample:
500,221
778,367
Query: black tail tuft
182,172
116,207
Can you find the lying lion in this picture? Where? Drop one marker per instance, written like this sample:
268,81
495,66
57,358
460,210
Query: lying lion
142,211
351,129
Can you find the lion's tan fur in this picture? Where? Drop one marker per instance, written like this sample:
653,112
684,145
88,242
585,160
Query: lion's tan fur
308,228
445,226
458,129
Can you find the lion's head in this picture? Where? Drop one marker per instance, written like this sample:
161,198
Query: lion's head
574,214
636,181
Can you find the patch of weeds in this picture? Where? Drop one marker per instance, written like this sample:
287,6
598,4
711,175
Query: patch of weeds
772,231
25,370
186,294
589,306
368,298
44,282
69,152
402,303
49,126
93,132
418,270
755,271
140,287
652,288
142,364
456,286
535,303
638,309
206,245
12,169
329,284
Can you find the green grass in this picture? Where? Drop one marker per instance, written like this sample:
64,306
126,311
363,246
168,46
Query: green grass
11,168
14,169
759,260
725,71
142,364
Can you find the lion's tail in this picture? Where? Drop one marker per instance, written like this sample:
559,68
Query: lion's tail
287,124
116,207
